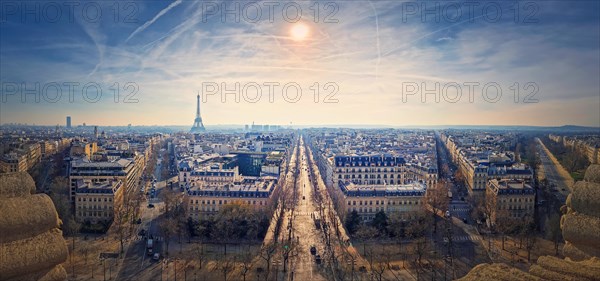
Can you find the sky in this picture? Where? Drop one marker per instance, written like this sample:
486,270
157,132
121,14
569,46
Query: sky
388,63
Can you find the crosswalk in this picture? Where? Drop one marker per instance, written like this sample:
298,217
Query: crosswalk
461,210
462,238
155,238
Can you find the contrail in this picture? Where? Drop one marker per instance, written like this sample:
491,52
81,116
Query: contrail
160,14
431,33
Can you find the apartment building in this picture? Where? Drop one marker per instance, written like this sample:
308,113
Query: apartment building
381,169
96,202
213,175
512,198
589,145
13,162
367,200
205,200
21,158
127,170
482,157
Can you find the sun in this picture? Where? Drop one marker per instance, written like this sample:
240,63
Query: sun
299,31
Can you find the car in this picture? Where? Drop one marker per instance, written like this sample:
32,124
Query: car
465,221
150,205
156,256
318,259
446,240
447,214
313,250
142,232
138,221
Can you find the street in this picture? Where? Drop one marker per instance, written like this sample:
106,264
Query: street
558,185
137,264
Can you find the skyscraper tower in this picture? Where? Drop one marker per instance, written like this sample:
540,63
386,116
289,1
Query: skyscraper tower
198,126
68,121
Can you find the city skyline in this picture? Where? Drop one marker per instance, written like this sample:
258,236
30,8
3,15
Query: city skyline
173,50
300,140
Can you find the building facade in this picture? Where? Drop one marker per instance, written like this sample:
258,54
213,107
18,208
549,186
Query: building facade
96,202
367,200
203,200
512,198
380,170
127,170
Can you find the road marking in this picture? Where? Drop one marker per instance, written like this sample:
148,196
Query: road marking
466,238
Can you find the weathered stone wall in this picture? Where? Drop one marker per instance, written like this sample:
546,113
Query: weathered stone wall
31,243
580,222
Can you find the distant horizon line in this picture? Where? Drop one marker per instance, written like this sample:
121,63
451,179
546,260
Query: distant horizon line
383,126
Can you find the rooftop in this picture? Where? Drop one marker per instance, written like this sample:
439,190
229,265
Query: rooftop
410,189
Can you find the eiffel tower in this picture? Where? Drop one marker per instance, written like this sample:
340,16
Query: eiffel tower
198,126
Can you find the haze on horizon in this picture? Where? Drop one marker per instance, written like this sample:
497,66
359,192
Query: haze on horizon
368,53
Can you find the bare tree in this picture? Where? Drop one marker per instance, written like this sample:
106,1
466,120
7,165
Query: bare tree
173,201
378,269
130,208
267,252
366,233
554,232
85,250
119,224
167,229
437,198
246,262
505,224
419,248
530,242
225,266
200,254
418,224
459,177
59,193
180,227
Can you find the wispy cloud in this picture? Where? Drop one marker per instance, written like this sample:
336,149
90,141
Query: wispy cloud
368,54
154,19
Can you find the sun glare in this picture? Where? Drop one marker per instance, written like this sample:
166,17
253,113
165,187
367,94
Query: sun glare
299,31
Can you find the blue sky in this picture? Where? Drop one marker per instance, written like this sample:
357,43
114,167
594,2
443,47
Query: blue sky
368,53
